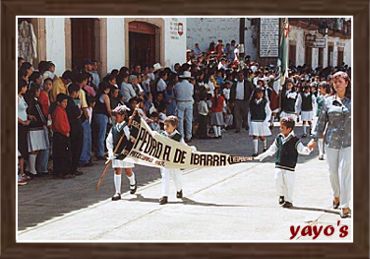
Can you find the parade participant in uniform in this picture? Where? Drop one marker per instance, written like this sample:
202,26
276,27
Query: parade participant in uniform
119,129
324,91
170,125
217,117
305,104
258,118
335,118
288,100
287,147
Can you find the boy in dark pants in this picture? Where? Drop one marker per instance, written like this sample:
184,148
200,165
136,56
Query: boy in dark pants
286,147
62,156
74,114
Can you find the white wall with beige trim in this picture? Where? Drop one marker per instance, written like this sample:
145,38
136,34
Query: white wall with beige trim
115,43
174,43
55,43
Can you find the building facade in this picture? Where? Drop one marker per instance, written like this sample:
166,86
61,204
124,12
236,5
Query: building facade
113,41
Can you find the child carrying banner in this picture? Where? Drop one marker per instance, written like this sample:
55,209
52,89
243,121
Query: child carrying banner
120,129
287,147
170,125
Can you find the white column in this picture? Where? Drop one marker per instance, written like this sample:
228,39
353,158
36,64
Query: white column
115,43
300,48
347,52
335,53
315,58
325,53
55,43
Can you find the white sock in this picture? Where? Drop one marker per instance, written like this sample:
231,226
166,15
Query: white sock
132,178
32,163
117,183
304,129
321,146
255,145
264,144
219,130
215,130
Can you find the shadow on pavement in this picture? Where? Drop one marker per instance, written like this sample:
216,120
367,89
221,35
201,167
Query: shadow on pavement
315,209
186,201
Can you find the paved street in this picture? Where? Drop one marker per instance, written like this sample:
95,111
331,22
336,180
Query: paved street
236,203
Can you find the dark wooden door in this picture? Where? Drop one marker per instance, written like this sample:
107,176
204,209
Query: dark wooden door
308,56
83,41
292,54
142,49
321,57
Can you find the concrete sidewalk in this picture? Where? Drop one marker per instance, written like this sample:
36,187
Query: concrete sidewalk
231,204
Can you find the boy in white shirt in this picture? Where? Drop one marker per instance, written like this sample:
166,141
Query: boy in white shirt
286,147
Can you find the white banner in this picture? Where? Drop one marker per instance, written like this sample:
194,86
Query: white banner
148,147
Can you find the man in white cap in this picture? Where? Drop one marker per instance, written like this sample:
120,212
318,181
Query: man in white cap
119,129
184,98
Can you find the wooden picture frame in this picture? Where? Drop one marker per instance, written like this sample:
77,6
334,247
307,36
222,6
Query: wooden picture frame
358,249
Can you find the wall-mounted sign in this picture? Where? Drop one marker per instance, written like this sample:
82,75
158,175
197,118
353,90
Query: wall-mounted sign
269,37
180,29
176,28
315,41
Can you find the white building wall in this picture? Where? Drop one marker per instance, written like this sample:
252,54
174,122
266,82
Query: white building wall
115,43
315,58
347,53
174,43
297,34
55,43
206,30
325,59
250,48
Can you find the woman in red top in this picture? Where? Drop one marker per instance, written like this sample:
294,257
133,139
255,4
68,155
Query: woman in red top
62,156
217,117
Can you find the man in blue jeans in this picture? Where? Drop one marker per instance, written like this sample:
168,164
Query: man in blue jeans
184,99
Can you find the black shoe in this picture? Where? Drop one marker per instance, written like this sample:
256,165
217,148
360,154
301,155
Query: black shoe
335,205
77,173
133,188
345,215
188,140
287,205
281,200
321,157
255,154
163,200
88,164
247,128
237,131
179,194
265,149
116,197
304,135
66,176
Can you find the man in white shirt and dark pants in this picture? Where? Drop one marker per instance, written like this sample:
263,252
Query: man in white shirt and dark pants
240,95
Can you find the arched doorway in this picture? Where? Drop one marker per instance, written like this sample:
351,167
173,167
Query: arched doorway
143,43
